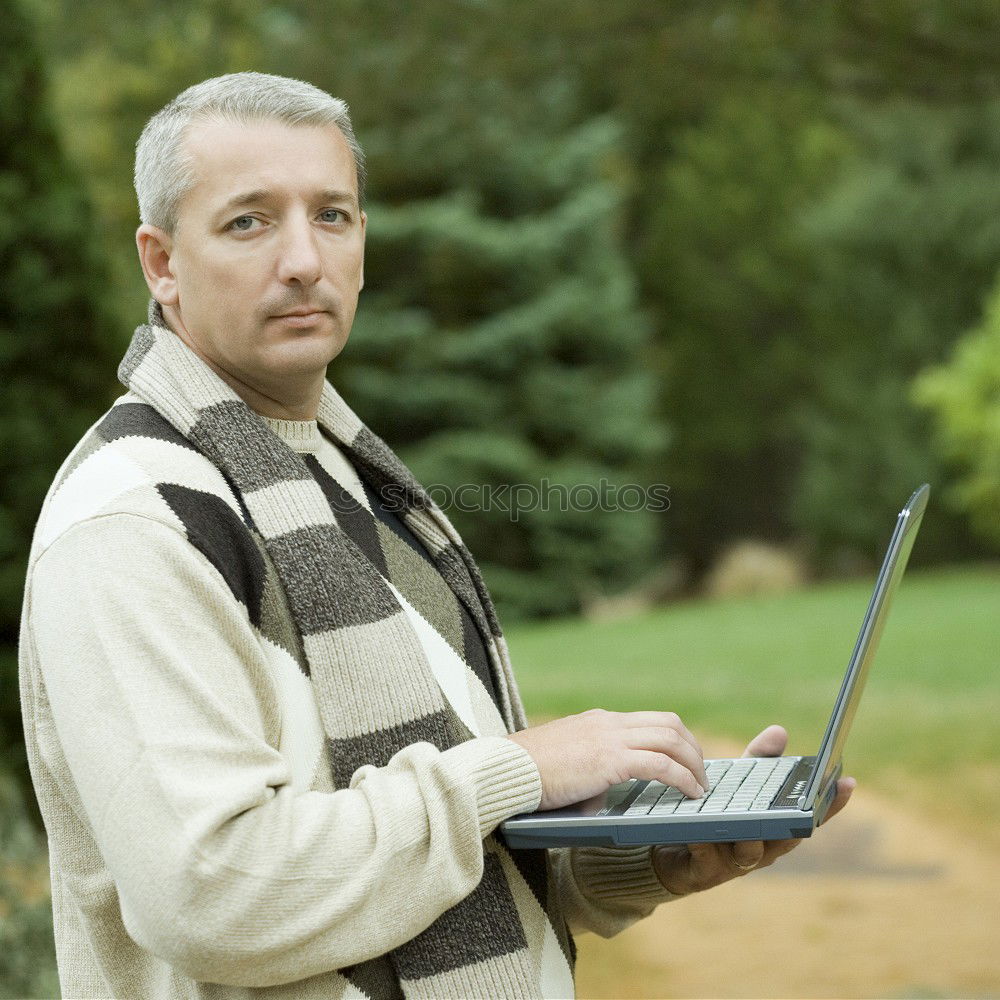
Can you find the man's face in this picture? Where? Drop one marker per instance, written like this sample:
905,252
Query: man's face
267,254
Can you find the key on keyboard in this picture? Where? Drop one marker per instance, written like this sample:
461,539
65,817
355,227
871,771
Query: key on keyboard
733,786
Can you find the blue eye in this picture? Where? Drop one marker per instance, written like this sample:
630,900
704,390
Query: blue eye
338,216
243,224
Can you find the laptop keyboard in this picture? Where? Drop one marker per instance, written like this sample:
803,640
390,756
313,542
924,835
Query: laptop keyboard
733,786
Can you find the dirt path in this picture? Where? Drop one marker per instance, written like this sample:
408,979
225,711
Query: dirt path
877,904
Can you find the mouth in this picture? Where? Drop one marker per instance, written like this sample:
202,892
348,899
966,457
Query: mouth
300,311
303,316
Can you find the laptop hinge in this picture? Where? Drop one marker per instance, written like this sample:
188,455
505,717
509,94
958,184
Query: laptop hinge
826,794
791,794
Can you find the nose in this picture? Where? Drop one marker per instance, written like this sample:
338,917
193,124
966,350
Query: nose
299,260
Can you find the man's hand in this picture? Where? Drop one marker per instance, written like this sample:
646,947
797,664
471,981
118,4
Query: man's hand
694,867
583,755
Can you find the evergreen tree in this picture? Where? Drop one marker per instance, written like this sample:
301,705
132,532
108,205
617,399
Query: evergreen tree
725,266
58,368
499,347
907,247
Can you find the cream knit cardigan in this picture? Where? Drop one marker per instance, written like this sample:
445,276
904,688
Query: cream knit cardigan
199,845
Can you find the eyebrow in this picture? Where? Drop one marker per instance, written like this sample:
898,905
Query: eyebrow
263,194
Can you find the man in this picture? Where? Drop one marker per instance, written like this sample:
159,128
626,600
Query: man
269,709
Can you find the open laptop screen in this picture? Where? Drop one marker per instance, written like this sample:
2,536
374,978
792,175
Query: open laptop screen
896,557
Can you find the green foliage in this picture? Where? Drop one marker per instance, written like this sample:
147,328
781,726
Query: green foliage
806,177
800,198
27,948
909,241
726,266
964,397
54,343
499,345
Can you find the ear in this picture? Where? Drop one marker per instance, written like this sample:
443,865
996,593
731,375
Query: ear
155,246
364,223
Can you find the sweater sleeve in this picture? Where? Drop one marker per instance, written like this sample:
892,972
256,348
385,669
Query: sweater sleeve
161,705
606,889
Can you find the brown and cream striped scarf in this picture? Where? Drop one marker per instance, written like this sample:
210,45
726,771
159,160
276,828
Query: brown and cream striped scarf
345,613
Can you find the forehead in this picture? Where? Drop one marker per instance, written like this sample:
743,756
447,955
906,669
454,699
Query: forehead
229,157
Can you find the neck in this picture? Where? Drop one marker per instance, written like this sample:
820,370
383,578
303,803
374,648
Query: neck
294,402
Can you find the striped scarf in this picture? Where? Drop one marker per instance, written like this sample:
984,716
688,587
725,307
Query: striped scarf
347,617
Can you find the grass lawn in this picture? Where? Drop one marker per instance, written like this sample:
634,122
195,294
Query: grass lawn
927,732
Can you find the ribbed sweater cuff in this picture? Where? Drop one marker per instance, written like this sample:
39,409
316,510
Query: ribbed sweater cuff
505,776
614,872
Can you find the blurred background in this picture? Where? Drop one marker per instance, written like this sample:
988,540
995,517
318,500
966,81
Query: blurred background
749,251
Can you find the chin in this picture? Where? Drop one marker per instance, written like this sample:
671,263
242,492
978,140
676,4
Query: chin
305,357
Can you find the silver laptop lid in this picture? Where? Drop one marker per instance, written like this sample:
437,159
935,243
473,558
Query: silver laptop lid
828,757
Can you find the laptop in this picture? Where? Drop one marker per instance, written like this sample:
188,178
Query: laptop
767,798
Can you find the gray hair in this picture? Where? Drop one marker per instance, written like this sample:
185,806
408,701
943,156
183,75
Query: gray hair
163,169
